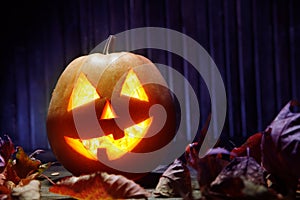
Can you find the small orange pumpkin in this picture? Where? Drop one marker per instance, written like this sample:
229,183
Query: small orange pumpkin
89,82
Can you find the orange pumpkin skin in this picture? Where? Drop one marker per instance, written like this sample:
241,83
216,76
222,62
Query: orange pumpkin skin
103,72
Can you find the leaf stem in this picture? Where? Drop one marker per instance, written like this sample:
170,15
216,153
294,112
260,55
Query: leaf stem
49,179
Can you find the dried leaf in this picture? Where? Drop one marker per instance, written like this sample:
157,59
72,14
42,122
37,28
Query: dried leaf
10,185
25,165
99,186
85,187
208,169
253,144
192,154
252,189
11,174
36,152
44,167
17,176
230,181
28,179
231,186
209,166
240,188
281,146
4,189
192,150
31,191
219,151
6,151
2,179
242,166
119,186
175,181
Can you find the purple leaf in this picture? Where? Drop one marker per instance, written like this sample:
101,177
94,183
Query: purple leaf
281,146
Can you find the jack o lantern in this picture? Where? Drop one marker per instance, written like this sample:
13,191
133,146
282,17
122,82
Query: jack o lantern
89,83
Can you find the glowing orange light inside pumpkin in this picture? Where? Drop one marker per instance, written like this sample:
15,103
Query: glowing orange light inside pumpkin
108,112
114,148
132,87
83,93
78,147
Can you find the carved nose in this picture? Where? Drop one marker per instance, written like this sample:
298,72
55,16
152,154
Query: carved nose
108,112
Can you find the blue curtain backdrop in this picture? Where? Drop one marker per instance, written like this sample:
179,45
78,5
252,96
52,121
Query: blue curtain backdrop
255,44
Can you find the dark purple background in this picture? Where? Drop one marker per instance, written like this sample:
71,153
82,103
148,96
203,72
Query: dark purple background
255,44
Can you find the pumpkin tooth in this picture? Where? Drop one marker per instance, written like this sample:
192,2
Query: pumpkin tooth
139,130
117,148
77,145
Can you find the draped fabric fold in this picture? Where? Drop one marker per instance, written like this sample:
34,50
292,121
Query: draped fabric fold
255,45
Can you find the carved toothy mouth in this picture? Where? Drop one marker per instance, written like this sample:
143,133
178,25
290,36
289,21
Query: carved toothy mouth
114,148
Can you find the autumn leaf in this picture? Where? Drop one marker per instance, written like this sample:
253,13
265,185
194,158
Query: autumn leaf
23,169
194,148
85,187
231,180
30,191
281,146
11,174
17,177
208,169
192,154
175,181
210,165
4,190
237,188
6,151
252,145
99,185
24,165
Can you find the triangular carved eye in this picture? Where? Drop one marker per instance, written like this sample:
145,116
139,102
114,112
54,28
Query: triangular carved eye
132,87
84,92
108,112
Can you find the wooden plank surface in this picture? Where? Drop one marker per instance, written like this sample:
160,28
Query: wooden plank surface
57,171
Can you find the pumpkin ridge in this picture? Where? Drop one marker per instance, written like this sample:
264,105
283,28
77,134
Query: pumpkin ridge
114,60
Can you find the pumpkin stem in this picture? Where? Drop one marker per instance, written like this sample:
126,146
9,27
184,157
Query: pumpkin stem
109,45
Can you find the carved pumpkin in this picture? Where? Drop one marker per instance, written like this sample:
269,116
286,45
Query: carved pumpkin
88,83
